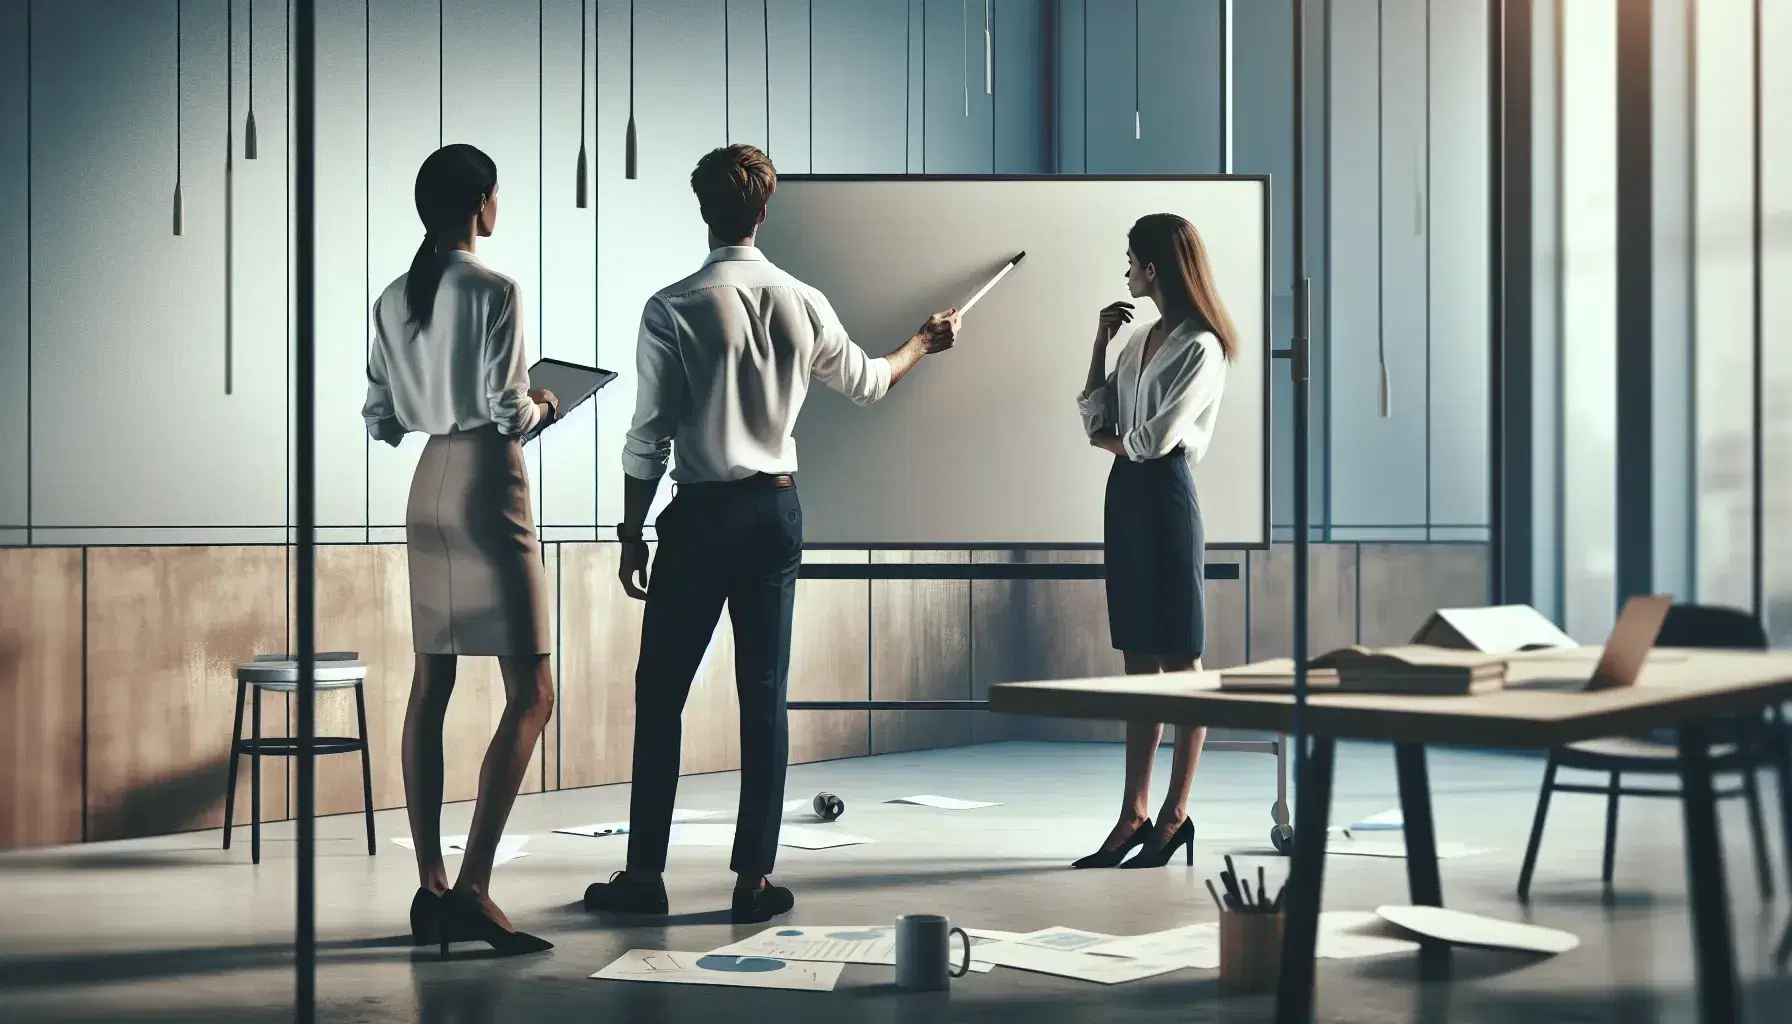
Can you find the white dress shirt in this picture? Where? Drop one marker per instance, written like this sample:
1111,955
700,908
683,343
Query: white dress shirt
464,371
1173,401
725,358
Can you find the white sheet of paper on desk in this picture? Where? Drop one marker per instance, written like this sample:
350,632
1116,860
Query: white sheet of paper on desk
844,944
944,802
1195,945
1396,848
1064,940
679,968
816,838
1353,934
1105,970
1386,821
1458,928
509,847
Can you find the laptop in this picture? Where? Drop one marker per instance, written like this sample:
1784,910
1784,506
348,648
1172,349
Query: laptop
573,384
1626,649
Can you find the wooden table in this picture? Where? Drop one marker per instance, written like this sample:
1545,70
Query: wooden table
1682,689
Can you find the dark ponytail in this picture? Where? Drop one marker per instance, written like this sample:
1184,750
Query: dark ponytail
451,185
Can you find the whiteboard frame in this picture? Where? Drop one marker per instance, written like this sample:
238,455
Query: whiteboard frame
1269,350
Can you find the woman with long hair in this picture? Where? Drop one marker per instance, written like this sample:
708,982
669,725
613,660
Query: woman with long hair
447,361
1155,413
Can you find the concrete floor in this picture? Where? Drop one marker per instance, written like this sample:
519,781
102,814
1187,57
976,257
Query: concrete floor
173,929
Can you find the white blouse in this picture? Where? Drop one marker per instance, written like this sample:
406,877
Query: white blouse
466,370
1173,401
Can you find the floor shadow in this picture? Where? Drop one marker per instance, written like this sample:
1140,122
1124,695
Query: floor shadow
171,803
102,968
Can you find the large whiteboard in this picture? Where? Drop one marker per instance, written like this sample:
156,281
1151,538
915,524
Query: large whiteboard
983,445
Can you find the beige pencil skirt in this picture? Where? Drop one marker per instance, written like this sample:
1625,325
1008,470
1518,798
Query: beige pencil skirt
477,583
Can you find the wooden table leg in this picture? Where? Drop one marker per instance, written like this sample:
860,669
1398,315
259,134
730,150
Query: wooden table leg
1306,880
1705,880
1423,881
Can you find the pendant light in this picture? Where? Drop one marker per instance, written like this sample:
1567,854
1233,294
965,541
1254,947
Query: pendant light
250,150
583,188
1136,123
989,83
630,156
180,206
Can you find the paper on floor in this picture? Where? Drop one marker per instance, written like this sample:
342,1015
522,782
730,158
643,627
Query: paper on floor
620,828
1353,934
708,969
701,835
816,838
1462,929
944,802
845,944
1396,848
1105,970
509,847
1386,821
797,805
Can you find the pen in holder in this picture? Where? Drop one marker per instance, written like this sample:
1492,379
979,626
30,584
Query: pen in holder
1250,932
1250,950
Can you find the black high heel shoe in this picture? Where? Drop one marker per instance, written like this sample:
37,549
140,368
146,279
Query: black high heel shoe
426,918
1111,858
462,920
1157,856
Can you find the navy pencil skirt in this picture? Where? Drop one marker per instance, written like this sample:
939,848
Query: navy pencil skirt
1154,548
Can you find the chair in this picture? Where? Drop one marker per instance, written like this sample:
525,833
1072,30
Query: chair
1736,750
280,673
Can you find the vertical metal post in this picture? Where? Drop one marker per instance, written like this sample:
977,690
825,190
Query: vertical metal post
304,137
1298,372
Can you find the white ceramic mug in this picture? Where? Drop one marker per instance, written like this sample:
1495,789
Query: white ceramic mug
923,952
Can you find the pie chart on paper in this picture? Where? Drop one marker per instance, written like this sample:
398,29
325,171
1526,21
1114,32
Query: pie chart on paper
740,964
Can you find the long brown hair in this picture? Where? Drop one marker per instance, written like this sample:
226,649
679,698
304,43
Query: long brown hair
1174,247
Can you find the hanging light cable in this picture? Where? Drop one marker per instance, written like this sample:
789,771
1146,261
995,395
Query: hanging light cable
765,15
964,50
989,82
630,156
180,207
1136,124
250,149
582,189
727,93
230,193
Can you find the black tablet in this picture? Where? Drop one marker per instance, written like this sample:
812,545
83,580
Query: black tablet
571,383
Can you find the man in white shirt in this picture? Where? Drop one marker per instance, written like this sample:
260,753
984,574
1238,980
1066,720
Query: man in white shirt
725,358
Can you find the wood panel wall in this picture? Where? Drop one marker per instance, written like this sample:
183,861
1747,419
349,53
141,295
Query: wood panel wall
117,683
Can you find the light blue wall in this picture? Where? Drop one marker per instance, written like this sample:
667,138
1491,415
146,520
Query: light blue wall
128,318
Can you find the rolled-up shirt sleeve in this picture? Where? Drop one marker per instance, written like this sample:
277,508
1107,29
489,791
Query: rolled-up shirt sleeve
659,395
506,372
1100,408
1194,386
378,412
840,363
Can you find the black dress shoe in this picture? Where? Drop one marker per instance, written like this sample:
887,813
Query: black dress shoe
463,920
756,906
1111,858
625,895
426,916
1152,855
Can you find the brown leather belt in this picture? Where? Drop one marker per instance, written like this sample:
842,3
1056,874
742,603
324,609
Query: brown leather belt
776,481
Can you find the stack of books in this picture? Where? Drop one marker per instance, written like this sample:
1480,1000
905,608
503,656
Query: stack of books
1413,668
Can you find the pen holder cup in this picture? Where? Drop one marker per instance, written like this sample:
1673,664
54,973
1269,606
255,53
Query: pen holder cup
1250,951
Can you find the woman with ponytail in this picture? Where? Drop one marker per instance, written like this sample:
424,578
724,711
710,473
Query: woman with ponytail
447,361
1155,414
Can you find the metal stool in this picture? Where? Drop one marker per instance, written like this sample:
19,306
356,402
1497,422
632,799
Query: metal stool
279,673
